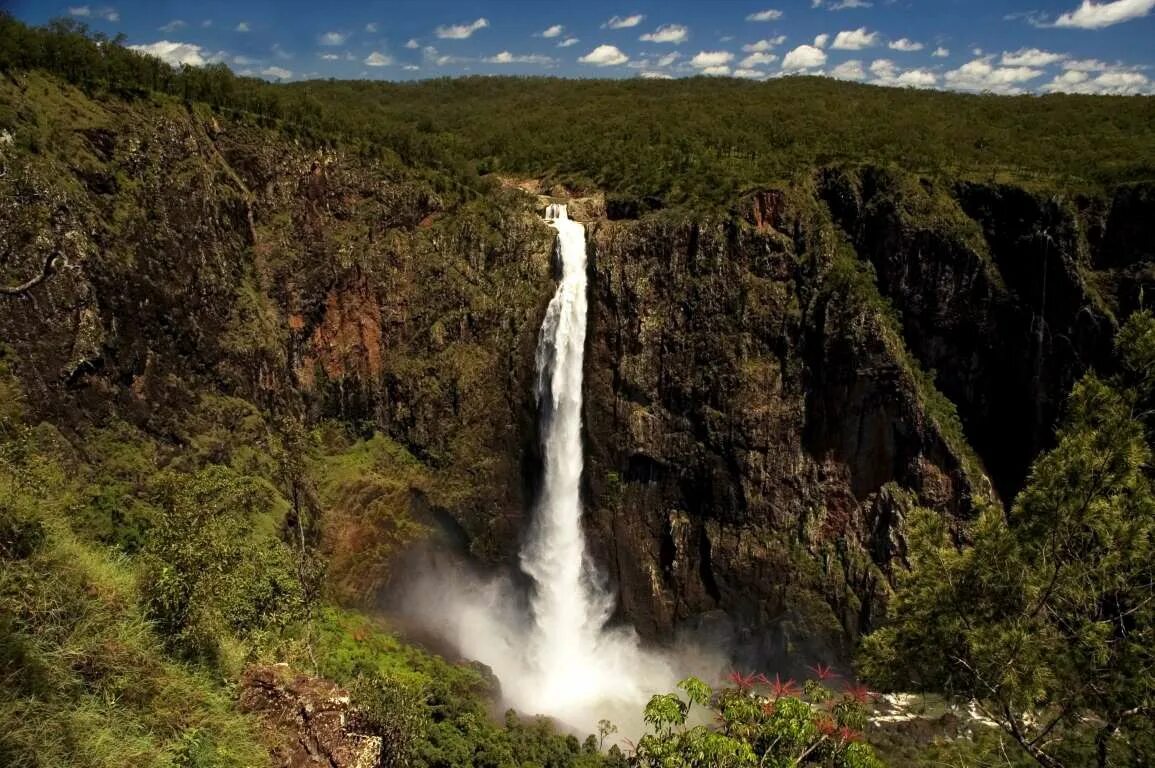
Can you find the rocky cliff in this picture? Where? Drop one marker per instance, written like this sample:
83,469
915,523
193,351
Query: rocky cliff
767,391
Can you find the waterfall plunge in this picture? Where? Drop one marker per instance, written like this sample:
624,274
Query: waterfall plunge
560,660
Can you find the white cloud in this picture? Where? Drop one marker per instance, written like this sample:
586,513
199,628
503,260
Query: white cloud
1030,57
707,59
174,53
749,74
207,23
371,27
242,27
567,42
883,68
605,56
624,22
412,44
460,31
173,26
669,59
849,70
841,5
554,31
377,59
84,11
1085,65
757,59
410,67
821,40
855,39
505,57
941,53
718,70
767,15
332,38
981,75
1116,82
804,57
280,73
1092,15
667,33
655,75
917,78
906,45
764,45
330,56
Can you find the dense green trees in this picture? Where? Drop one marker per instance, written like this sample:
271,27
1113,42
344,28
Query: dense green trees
1047,619
695,142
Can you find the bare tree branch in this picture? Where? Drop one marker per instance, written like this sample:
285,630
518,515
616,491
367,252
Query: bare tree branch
45,272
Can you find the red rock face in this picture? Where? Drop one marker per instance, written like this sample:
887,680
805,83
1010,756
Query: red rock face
348,342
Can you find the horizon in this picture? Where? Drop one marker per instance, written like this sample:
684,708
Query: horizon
1049,46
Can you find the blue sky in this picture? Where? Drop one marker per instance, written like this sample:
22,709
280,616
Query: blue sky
1007,46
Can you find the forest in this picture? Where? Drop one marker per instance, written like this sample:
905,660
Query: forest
258,340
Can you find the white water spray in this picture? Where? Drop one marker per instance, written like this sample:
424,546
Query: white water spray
561,660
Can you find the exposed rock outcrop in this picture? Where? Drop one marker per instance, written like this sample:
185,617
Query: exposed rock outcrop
306,721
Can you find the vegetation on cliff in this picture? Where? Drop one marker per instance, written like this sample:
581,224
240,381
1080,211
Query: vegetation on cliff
258,338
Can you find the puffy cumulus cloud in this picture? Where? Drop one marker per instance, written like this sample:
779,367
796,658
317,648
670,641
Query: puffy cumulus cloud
330,56
624,22
650,75
905,45
941,53
412,44
667,33
554,31
568,42
175,54
718,70
749,74
917,78
605,56
767,44
1115,81
460,31
378,59
820,41
242,27
769,14
1030,57
1095,15
757,59
706,59
371,27
982,75
332,39
669,59
804,57
841,5
855,39
277,73
505,57
883,68
849,70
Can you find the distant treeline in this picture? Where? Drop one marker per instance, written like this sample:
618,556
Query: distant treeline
698,139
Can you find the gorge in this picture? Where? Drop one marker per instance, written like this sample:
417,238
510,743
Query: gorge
263,353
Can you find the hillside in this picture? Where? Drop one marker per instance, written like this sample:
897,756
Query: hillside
260,342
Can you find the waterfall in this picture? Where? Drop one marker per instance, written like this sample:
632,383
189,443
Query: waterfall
559,658
569,605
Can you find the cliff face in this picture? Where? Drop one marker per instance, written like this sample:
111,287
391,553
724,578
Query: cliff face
760,409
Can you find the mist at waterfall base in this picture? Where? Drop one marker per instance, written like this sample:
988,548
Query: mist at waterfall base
552,650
